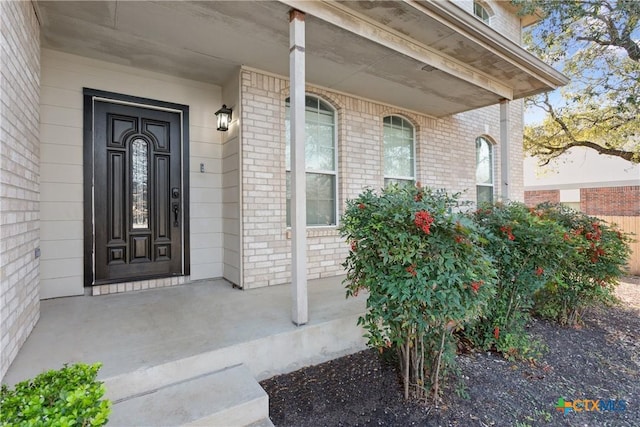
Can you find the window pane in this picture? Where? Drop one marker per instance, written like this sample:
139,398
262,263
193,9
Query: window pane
319,136
288,208
400,182
484,162
310,116
398,147
481,12
324,107
287,136
398,165
139,184
321,200
484,194
325,117
311,103
320,152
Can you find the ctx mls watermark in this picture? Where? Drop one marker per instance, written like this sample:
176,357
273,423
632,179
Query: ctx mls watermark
591,405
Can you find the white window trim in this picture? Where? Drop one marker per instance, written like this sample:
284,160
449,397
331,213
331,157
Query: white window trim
413,136
324,172
486,8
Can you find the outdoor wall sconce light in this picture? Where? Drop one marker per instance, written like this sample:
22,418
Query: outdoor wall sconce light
224,118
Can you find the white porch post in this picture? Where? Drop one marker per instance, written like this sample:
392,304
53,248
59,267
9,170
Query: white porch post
299,311
505,125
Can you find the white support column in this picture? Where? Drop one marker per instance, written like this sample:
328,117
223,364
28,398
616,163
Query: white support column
300,309
505,126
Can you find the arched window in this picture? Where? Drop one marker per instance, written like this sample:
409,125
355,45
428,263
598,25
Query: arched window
482,12
320,159
399,150
484,170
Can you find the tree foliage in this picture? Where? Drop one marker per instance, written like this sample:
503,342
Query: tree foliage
596,43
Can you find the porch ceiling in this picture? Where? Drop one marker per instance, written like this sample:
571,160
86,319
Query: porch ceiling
447,65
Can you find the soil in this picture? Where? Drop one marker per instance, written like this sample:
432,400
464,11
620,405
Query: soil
600,360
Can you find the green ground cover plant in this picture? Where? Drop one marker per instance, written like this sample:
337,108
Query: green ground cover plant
71,396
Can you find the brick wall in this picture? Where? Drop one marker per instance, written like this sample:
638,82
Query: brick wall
19,176
534,197
445,158
608,201
617,201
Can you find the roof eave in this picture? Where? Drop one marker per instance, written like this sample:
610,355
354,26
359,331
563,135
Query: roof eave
465,23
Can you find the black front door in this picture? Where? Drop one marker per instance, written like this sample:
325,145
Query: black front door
138,201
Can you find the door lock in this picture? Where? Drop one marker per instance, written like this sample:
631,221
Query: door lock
175,193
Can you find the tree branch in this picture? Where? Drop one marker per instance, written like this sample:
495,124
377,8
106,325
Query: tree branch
616,37
624,154
555,151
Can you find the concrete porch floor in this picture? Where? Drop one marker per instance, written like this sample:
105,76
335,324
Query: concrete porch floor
137,331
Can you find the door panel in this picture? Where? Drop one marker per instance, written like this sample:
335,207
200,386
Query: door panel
138,200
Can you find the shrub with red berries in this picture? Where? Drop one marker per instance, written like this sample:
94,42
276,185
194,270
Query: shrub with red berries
526,250
430,271
423,221
425,273
594,261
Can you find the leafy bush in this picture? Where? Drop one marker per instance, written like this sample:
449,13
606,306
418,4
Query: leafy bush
596,256
70,396
425,274
527,250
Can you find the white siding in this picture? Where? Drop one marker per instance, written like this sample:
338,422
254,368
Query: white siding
63,78
231,184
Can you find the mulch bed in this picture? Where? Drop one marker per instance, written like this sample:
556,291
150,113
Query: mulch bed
600,360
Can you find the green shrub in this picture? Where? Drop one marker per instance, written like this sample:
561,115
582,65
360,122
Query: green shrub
595,262
71,396
527,251
425,274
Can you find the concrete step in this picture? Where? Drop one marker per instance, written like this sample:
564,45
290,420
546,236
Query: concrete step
265,357
229,397
265,422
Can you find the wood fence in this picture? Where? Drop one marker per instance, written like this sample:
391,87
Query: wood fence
629,224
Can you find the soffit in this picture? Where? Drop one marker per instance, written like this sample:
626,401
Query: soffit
209,41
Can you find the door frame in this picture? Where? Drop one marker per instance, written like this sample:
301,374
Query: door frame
91,95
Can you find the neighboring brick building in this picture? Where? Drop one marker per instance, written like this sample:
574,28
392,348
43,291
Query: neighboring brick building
611,201
532,198
594,184
112,165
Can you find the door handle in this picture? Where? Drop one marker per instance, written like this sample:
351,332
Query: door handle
176,213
